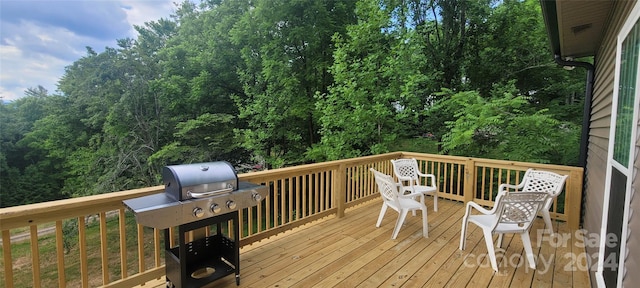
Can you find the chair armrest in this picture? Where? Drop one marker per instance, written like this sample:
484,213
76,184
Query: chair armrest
403,189
412,196
430,176
505,187
404,178
480,209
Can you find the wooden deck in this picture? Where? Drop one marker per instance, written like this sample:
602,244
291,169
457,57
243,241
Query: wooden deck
352,252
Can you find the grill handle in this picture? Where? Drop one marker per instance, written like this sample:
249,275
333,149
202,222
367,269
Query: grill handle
210,193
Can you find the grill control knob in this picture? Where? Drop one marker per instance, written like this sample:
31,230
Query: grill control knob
256,197
197,212
231,204
215,208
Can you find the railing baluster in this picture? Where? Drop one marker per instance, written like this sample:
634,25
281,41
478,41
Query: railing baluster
269,212
276,197
352,189
123,243
156,246
305,198
485,174
35,256
488,195
316,192
283,201
103,248
141,266
298,197
291,202
82,245
323,202
360,181
459,180
240,223
250,224
8,260
259,217
172,240
60,254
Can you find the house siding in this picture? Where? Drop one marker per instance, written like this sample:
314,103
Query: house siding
600,127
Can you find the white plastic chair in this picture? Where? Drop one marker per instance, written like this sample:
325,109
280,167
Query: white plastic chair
406,170
401,203
540,181
512,213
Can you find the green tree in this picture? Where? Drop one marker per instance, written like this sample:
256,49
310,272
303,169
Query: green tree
117,116
286,47
506,126
199,78
378,80
515,45
28,173
447,28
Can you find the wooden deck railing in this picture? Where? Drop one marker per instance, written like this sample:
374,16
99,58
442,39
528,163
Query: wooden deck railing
93,241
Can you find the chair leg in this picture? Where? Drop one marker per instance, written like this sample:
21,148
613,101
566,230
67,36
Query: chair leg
421,200
488,239
382,211
401,217
526,242
463,233
425,223
547,221
500,240
435,201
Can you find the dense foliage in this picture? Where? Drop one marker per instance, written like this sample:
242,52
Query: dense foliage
283,82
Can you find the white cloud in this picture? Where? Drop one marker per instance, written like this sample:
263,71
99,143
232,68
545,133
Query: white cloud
41,37
139,12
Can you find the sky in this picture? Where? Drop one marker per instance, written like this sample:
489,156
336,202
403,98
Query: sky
39,38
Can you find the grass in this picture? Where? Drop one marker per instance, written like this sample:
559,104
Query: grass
23,230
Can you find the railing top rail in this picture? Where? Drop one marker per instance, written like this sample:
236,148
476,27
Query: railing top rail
549,167
318,166
489,162
434,156
33,214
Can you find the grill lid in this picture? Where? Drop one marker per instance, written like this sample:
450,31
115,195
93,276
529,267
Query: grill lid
199,180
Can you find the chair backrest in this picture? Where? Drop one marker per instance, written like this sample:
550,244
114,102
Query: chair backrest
543,181
519,208
406,168
387,187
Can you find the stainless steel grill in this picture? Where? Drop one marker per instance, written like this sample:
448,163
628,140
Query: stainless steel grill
194,192
196,196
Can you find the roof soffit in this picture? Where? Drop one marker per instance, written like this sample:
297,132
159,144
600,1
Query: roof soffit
579,25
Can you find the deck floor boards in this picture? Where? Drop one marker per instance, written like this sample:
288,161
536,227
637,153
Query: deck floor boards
352,252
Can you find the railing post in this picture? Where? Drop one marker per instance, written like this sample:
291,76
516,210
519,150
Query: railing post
469,179
573,199
339,189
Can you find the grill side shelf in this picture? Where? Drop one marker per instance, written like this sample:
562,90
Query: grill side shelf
156,210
